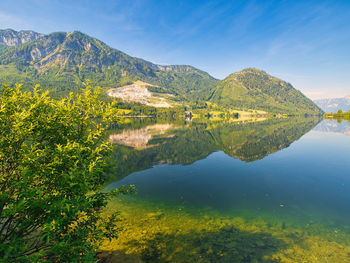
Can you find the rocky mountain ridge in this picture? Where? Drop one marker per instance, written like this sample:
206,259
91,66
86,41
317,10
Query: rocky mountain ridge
10,37
72,58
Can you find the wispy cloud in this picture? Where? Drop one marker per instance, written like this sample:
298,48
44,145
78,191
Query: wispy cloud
324,94
245,17
12,21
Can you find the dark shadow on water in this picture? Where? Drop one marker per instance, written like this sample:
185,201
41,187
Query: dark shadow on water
228,244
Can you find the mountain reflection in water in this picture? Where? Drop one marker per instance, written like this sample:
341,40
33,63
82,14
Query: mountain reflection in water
186,142
139,138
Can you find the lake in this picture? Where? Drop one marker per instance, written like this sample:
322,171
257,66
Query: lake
265,190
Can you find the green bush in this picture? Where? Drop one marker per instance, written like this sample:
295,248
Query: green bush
52,159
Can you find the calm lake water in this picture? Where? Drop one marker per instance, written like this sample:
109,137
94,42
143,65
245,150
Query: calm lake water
284,178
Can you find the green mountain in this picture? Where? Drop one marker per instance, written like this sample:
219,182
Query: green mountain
62,61
255,89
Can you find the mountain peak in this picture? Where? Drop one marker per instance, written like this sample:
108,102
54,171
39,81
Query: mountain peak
78,34
252,70
10,37
247,71
253,88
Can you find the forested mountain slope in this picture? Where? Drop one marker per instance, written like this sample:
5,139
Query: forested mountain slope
255,89
62,61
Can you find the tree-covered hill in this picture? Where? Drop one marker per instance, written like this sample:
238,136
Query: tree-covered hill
255,89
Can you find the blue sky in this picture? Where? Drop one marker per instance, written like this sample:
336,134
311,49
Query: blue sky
306,43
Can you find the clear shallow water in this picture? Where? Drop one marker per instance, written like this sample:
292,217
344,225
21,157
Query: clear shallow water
290,173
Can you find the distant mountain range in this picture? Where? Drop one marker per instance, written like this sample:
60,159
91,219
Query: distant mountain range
62,62
333,105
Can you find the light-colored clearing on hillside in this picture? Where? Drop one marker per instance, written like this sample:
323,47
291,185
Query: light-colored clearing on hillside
138,92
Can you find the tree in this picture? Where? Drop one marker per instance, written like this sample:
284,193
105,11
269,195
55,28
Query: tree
52,159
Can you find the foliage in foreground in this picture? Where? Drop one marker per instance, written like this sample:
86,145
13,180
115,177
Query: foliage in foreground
52,158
